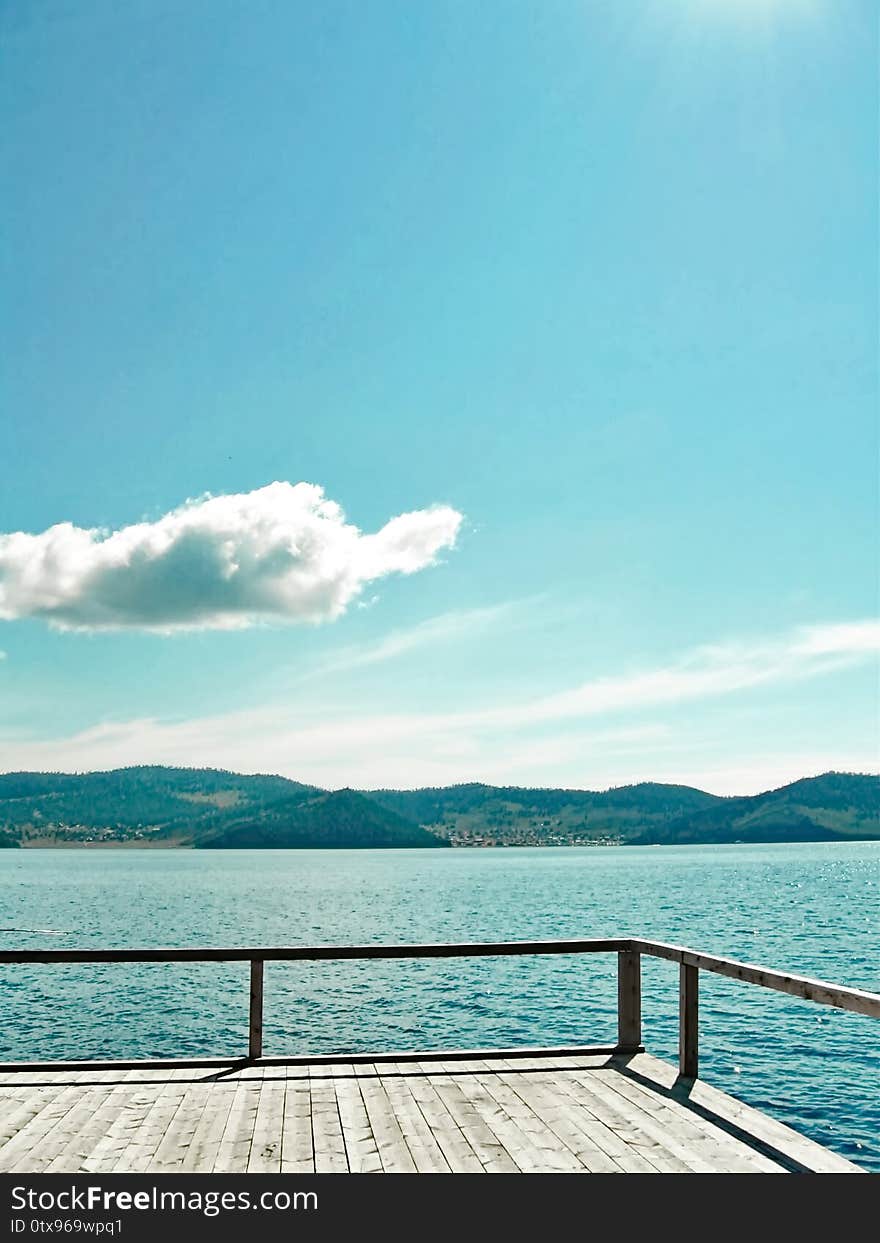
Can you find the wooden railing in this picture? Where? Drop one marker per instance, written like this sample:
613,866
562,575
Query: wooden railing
629,992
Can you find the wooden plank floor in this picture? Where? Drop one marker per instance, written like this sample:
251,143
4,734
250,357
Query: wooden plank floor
586,1113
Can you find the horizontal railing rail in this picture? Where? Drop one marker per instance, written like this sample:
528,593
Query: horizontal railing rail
802,986
629,952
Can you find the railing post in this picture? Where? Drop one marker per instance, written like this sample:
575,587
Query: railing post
629,1000
255,1030
688,1021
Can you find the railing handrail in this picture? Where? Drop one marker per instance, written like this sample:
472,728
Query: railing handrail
807,988
286,953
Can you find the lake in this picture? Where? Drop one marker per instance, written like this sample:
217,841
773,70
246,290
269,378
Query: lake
812,909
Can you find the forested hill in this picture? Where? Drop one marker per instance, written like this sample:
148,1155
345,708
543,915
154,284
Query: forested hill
341,818
173,802
212,808
831,807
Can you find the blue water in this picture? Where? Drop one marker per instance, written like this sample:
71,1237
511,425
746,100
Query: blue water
813,909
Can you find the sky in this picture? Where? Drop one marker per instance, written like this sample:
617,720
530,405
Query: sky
403,394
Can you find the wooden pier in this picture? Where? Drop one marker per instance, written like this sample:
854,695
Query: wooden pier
573,1110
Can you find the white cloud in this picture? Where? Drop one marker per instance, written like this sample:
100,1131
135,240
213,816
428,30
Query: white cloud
847,638
283,553
503,743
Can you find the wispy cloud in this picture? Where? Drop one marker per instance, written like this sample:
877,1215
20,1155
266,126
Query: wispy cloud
445,628
283,553
705,672
540,741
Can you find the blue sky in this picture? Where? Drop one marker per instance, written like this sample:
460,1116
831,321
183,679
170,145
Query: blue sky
588,290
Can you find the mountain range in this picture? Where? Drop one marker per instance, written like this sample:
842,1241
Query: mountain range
214,809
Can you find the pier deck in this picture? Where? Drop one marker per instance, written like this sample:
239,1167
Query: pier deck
615,1110
589,1112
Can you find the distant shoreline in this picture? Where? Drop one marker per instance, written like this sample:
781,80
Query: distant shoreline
105,847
